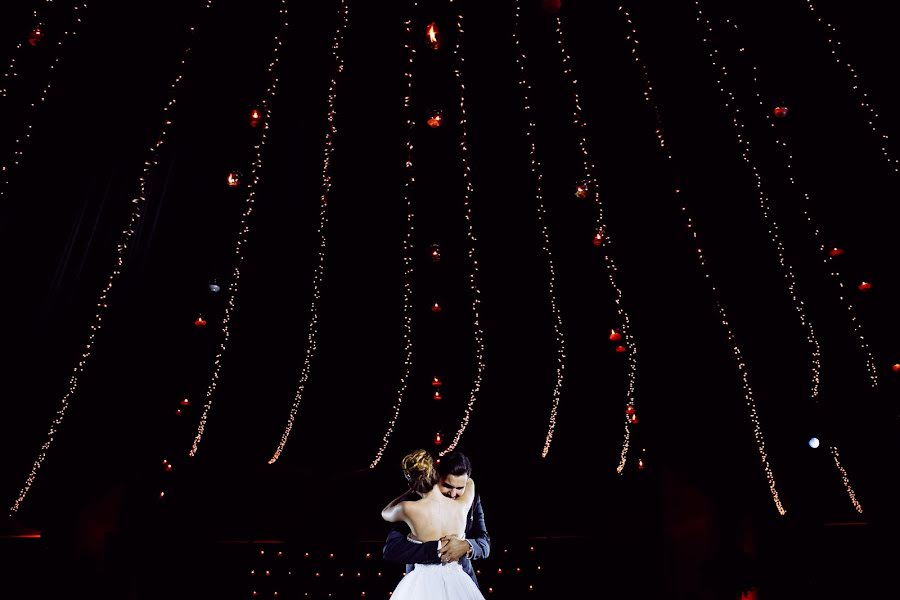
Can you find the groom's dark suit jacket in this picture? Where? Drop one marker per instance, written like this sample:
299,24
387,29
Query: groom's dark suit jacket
399,549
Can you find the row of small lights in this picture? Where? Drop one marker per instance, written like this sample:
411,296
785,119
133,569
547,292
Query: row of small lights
589,188
127,235
343,20
262,115
536,171
407,240
35,39
470,233
827,257
749,399
368,556
855,83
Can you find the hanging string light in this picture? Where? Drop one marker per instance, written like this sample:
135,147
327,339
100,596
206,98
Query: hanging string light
601,239
749,399
244,228
19,143
407,243
343,19
872,118
728,98
10,73
127,234
537,174
825,255
470,233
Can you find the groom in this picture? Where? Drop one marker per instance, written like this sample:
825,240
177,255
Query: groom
454,470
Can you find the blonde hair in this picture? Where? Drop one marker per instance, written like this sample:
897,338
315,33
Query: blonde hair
418,467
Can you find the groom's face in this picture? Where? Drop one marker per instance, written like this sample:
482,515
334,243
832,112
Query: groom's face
454,485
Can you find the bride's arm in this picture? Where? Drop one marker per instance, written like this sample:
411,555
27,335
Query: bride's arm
394,511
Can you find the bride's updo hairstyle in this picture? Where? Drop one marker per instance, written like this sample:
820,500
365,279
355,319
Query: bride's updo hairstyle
418,467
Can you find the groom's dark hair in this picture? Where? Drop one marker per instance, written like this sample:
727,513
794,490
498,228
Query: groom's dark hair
455,463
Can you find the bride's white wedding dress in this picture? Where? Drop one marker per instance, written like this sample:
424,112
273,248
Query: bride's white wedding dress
445,581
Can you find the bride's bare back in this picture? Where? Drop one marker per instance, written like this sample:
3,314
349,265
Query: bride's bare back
436,515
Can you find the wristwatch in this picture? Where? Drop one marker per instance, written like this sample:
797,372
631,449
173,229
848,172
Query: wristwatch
471,550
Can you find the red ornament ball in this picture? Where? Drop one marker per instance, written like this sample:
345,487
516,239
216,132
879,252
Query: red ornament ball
620,349
436,381
614,336
436,308
552,6
865,286
598,238
629,410
35,37
435,119
780,111
233,179
895,368
255,117
200,322
835,252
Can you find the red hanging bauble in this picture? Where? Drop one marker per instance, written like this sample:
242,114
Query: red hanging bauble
835,252
598,238
634,419
178,412
432,36
435,381
35,37
435,253
895,368
233,179
436,308
185,402
614,336
620,349
435,119
437,439
780,111
200,322
437,395
552,6
581,190
865,286
629,410
640,464
255,117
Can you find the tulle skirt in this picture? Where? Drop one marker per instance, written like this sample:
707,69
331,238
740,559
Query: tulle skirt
437,582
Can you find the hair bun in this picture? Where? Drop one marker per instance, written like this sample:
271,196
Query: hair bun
418,467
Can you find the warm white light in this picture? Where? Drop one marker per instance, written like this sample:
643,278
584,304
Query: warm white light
537,174
750,401
319,273
125,238
470,234
589,188
25,117
243,228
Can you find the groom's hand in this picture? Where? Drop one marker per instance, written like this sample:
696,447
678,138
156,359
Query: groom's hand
453,548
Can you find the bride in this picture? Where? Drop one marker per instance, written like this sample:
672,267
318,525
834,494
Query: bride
433,517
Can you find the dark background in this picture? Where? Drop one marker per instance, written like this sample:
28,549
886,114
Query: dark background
66,203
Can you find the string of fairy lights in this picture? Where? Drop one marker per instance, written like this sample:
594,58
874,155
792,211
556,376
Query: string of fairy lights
746,388
407,240
537,174
470,233
729,101
122,247
827,256
252,185
872,117
590,188
35,38
343,20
